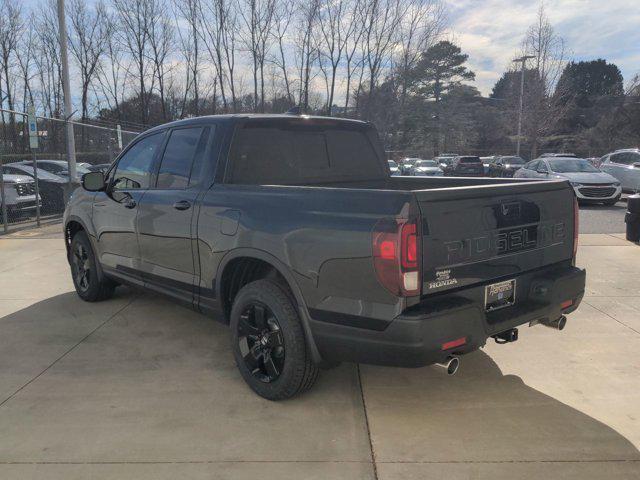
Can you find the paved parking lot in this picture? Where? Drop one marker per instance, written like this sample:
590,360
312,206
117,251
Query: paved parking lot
137,387
598,218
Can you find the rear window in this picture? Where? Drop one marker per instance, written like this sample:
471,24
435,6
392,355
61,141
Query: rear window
293,152
469,159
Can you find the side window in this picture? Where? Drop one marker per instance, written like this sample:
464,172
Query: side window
622,158
604,159
532,165
134,168
542,166
178,159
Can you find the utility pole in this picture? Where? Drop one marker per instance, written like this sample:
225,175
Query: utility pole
71,144
522,61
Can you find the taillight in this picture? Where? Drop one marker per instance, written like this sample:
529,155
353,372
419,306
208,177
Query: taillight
576,226
395,256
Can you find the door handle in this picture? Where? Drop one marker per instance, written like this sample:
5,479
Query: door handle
182,205
130,203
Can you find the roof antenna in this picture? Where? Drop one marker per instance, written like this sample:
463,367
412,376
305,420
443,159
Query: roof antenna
293,110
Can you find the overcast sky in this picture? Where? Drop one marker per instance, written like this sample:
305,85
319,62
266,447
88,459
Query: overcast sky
490,31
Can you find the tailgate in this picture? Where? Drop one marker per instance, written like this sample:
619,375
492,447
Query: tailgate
479,234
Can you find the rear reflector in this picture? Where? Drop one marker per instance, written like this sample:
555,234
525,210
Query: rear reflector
566,304
454,343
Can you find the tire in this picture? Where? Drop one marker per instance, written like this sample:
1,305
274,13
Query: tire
268,342
90,283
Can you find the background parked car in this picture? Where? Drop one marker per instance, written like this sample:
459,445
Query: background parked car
19,195
59,167
589,183
625,166
393,168
406,164
505,166
486,161
426,168
51,186
465,166
560,155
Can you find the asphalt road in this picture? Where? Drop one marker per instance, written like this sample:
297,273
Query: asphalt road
602,218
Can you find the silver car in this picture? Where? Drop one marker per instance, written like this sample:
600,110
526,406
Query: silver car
393,168
589,183
426,167
625,166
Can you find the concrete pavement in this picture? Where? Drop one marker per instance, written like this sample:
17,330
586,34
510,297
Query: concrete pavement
137,387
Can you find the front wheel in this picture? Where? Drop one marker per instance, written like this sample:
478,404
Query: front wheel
268,342
91,285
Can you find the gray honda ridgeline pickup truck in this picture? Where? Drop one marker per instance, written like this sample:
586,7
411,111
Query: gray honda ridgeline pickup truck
291,230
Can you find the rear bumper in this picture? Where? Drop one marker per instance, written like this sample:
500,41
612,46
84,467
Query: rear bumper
415,338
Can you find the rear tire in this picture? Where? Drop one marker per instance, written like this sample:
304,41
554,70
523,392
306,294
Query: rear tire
268,342
90,283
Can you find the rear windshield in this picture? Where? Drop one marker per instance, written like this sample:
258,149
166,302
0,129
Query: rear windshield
291,153
426,163
470,160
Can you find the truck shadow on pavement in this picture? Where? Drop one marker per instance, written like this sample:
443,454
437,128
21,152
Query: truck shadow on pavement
87,381
481,415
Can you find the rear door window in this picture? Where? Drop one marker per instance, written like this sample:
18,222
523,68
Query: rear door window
177,162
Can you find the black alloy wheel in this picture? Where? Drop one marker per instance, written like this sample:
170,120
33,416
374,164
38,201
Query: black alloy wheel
81,267
91,284
261,342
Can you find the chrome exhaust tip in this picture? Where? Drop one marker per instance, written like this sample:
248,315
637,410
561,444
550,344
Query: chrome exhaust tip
451,365
557,324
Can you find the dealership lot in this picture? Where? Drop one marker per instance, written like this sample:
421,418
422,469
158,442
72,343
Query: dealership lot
138,387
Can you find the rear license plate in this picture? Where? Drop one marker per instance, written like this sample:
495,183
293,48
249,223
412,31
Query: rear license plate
499,295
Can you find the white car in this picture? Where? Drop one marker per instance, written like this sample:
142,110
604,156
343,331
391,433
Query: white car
589,183
19,195
426,168
625,166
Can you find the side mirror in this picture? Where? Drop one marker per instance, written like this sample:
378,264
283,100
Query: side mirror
93,181
542,171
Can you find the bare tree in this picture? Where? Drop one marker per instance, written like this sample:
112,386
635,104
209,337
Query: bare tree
190,48
87,40
283,16
381,20
133,18
353,46
305,47
26,62
420,27
10,31
542,111
161,36
257,17
112,74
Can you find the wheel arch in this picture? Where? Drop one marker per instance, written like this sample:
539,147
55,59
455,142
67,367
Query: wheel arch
268,266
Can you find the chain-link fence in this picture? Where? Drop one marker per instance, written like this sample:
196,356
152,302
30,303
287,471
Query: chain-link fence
25,189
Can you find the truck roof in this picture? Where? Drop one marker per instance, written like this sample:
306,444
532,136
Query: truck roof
240,116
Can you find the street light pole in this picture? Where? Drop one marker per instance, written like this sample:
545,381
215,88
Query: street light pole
71,144
522,60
